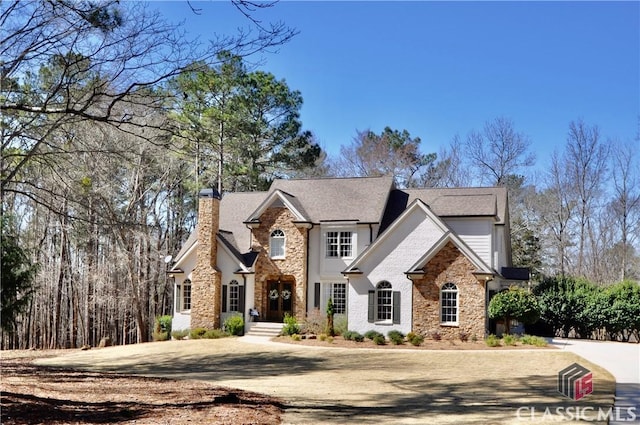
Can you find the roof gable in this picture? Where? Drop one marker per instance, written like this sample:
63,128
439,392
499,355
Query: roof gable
361,199
416,207
279,198
478,263
490,202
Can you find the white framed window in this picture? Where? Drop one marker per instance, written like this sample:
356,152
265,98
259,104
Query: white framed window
276,244
234,296
185,299
449,304
384,305
339,244
384,302
338,294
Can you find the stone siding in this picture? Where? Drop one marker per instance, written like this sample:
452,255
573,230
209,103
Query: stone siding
292,268
449,265
206,283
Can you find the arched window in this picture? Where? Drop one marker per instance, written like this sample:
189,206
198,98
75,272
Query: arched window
384,301
276,244
449,304
384,305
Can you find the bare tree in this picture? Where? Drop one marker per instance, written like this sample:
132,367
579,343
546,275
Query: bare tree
498,152
64,62
391,153
626,200
586,162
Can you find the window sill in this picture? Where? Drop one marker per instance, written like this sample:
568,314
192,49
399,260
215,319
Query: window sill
384,323
450,325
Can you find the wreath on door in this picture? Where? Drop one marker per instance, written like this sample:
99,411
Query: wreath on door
286,294
273,294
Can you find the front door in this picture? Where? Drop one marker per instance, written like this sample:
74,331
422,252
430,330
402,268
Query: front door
279,300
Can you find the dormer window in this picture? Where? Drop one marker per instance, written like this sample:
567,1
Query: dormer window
339,244
276,244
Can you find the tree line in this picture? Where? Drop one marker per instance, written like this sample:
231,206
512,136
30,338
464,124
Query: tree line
112,120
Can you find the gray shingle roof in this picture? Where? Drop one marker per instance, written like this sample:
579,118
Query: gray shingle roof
334,199
368,200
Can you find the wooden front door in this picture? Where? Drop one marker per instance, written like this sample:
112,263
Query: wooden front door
279,300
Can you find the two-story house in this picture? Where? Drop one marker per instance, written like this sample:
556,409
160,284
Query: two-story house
420,260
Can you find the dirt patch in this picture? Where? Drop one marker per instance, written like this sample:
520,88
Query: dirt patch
32,394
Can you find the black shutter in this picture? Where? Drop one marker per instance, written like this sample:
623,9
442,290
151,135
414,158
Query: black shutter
396,307
316,295
371,316
241,299
224,298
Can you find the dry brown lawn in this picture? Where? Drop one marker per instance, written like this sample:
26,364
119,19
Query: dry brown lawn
342,385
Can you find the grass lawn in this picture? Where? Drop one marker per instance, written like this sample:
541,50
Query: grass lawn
334,385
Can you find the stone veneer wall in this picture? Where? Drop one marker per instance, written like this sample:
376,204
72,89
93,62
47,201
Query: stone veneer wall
206,283
449,265
292,268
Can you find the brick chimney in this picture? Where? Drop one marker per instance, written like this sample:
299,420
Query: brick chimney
206,285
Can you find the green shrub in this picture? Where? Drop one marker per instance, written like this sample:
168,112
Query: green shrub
358,338
533,340
379,339
492,341
330,339
396,337
197,333
372,334
322,337
214,334
162,328
509,339
415,339
296,337
234,325
179,335
291,325
348,335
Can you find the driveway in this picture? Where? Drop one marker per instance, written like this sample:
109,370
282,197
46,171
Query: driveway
356,386
622,360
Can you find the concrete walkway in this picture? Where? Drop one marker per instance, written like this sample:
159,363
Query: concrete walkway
622,360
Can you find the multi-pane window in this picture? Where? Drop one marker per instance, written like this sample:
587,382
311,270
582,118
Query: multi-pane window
339,244
277,244
234,296
186,295
449,304
339,298
384,301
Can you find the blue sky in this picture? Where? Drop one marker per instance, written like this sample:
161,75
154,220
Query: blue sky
438,69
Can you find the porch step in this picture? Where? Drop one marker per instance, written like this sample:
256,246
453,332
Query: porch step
265,329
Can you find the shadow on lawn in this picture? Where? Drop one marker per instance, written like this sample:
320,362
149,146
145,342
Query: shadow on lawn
472,402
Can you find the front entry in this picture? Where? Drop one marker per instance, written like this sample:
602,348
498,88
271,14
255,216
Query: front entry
279,300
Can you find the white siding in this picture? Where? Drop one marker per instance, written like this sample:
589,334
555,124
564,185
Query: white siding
324,270
477,234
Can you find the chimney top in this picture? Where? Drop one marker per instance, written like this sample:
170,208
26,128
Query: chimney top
209,193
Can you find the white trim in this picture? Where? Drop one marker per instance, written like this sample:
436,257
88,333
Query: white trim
449,291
